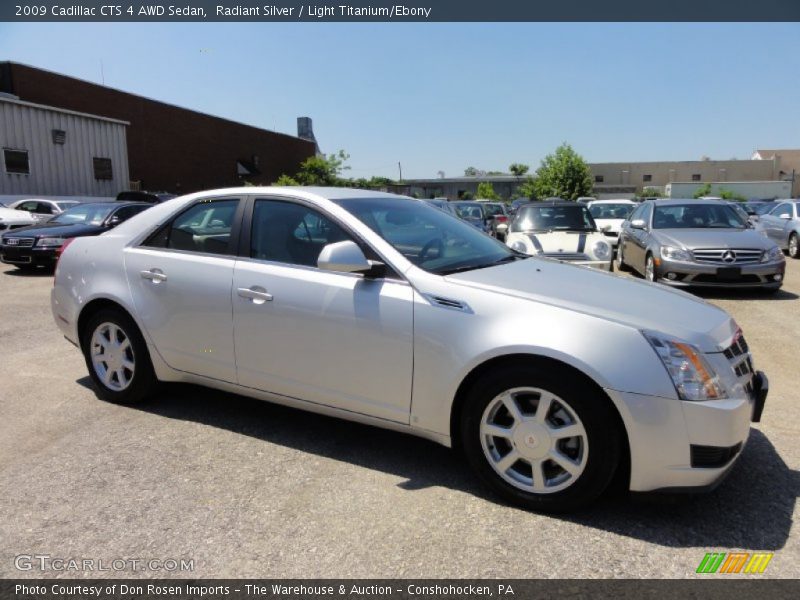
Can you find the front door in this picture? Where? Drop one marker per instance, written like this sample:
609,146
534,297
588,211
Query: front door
336,339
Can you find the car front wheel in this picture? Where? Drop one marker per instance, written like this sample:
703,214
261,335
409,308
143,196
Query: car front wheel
794,246
117,358
650,269
539,440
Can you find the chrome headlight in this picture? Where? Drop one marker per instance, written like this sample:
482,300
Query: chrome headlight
519,246
50,242
772,254
672,253
601,250
694,378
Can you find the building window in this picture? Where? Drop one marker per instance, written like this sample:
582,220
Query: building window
696,177
598,179
102,168
16,161
647,178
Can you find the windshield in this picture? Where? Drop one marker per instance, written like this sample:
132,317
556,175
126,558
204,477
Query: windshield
493,209
470,211
93,214
611,211
566,217
431,239
64,205
697,216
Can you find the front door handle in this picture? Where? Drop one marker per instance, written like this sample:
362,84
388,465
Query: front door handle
257,294
154,275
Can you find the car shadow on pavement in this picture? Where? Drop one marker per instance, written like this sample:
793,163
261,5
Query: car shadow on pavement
742,294
40,272
751,509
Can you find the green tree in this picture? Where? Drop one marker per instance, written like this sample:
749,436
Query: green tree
703,190
527,189
650,192
518,169
563,174
323,170
471,172
486,191
285,180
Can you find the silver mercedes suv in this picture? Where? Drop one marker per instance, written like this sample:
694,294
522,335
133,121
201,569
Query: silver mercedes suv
702,243
381,309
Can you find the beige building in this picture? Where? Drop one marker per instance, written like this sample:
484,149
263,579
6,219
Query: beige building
789,165
634,177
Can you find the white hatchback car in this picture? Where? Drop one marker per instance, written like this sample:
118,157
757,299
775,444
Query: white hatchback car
610,215
561,230
385,310
13,219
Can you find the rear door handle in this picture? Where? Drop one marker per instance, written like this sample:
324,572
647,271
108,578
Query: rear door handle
154,275
257,294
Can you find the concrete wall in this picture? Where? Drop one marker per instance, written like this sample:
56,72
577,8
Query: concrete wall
61,169
752,190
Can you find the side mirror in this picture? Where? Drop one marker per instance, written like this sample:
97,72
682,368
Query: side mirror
114,221
638,224
344,257
786,217
605,228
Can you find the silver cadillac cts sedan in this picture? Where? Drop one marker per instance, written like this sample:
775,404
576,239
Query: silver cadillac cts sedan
551,378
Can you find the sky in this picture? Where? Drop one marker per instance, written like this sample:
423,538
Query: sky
443,97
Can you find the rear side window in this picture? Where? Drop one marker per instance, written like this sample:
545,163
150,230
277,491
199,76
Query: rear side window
205,227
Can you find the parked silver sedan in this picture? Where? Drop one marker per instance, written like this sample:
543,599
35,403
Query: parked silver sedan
698,243
385,310
782,225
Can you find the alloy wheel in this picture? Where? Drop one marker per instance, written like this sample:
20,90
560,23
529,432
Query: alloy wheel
794,250
650,269
112,356
534,440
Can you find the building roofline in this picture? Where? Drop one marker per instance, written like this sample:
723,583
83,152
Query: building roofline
197,112
65,111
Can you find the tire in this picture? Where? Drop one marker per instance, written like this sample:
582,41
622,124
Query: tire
130,375
650,269
794,246
593,455
620,265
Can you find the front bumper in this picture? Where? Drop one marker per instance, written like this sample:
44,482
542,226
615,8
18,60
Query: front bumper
685,274
28,256
682,445
603,265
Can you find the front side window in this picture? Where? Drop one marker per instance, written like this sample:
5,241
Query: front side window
43,208
291,233
781,210
205,227
429,238
126,212
16,161
553,218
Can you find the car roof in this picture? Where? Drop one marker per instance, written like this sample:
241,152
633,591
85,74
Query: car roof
612,201
555,203
682,201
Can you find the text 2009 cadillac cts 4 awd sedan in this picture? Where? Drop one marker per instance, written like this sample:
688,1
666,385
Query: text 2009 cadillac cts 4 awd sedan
384,310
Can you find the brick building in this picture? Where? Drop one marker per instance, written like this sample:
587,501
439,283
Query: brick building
169,148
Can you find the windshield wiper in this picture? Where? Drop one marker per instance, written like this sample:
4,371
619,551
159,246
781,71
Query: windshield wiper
505,259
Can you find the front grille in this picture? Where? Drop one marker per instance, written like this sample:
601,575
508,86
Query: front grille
565,255
611,233
712,457
738,353
727,256
18,242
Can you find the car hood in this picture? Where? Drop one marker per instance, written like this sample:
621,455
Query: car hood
632,302
692,239
10,215
614,223
566,241
57,230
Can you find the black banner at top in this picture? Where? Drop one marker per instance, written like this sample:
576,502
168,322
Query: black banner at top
400,10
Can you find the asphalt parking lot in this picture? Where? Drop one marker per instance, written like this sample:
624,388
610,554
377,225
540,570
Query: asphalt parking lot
250,489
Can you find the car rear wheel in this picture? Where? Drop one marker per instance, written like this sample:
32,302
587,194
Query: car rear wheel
794,246
117,358
621,265
650,269
539,440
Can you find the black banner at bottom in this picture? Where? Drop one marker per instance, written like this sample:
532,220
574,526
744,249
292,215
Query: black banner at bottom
720,587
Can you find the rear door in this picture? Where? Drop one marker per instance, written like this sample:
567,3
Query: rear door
180,279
